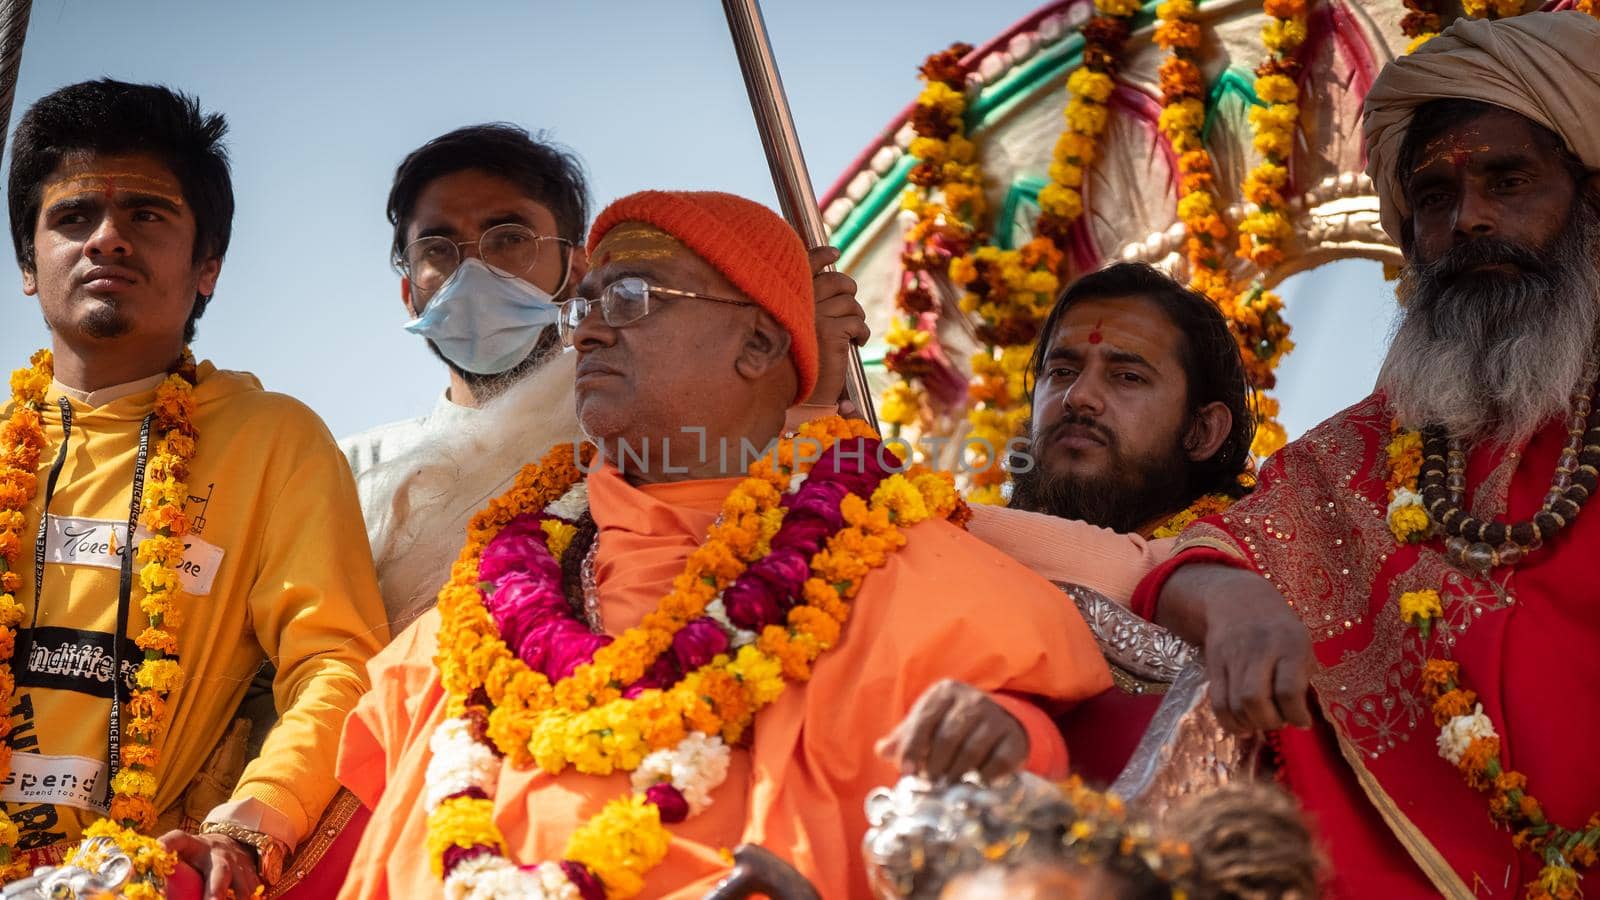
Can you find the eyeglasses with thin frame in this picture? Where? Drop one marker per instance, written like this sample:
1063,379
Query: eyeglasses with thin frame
509,250
622,303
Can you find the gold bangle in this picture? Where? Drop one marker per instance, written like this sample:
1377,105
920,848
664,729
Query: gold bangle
269,851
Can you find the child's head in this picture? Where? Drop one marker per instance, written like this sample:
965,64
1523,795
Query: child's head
1241,842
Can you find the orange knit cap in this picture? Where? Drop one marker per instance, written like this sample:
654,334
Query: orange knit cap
749,244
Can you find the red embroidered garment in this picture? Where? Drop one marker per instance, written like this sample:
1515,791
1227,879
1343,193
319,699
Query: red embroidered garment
1397,818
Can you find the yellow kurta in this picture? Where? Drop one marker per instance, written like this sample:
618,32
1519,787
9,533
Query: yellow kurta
944,606
278,567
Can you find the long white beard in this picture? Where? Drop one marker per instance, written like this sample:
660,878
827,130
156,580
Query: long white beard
1492,357
454,473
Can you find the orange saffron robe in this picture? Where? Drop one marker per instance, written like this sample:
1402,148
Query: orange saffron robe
1397,819
944,606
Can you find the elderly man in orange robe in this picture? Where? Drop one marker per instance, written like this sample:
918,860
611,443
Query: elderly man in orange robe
634,670
1432,541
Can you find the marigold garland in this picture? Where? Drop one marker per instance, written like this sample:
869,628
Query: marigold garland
1255,315
1011,292
22,442
945,202
1207,505
1467,736
160,554
674,735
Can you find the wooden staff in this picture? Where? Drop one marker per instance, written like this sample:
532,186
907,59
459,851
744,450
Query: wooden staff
784,158
13,30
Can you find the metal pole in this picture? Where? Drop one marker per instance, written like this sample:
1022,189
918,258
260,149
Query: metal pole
13,30
788,164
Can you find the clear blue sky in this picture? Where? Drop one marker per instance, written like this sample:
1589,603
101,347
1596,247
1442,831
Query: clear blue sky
325,98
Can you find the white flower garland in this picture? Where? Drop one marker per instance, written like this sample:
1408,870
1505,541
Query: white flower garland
573,504
459,762
489,877
696,767
1459,733
1403,497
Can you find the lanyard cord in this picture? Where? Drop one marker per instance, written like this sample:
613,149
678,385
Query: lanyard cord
124,584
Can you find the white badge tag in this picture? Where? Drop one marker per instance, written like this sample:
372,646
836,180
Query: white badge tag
75,541
75,781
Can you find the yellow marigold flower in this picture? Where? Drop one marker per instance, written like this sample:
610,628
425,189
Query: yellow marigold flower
1277,89
1118,8
163,675
1185,115
1041,282
761,675
1284,117
1087,83
461,822
1196,206
1283,35
559,536
962,270
964,200
961,149
1086,117
901,498
10,611
929,149
1075,148
903,335
134,782
1417,607
1408,524
938,95
624,841
1273,144
1558,880
1273,226
1270,438
1066,174
166,551
1060,201
900,405
1175,9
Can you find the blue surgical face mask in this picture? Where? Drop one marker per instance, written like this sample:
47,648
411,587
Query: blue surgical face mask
483,322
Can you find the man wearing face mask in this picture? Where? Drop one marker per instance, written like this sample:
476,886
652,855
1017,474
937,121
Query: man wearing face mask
484,218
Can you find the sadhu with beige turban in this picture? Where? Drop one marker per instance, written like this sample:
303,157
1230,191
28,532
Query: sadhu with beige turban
1441,570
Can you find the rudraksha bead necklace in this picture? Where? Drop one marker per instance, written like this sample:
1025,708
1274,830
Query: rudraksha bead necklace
1482,545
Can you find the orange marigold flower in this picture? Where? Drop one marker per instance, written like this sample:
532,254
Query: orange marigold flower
1454,703
136,754
137,810
1439,676
1476,762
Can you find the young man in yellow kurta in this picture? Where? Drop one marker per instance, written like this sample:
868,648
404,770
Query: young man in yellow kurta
121,207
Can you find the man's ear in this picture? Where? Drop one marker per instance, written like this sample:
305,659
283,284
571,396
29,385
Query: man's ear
210,271
766,347
30,281
405,296
578,268
1208,431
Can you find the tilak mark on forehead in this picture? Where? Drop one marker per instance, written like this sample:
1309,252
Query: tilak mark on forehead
1456,149
635,242
109,184
1095,336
